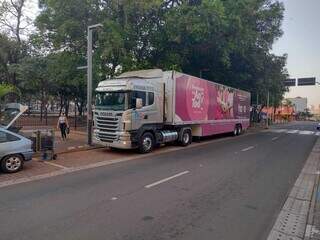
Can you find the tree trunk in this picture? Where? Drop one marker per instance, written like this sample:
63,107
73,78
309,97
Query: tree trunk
61,105
66,107
80,107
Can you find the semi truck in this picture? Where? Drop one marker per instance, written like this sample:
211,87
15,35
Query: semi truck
147,108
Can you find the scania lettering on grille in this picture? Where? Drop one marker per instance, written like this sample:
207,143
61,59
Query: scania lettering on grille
106,114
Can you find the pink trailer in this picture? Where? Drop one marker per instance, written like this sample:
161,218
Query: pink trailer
210,108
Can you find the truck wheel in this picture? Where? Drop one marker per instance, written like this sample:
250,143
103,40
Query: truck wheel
235,131
12,163
239,129
146,143
186,138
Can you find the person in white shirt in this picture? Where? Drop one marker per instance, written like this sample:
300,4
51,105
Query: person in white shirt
63,125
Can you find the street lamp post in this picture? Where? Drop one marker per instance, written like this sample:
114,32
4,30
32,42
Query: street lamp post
89,82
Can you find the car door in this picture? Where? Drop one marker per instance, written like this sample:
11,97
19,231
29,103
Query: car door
9,143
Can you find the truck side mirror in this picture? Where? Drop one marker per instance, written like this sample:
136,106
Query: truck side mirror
138,103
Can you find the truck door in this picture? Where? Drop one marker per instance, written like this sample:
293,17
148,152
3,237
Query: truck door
148,113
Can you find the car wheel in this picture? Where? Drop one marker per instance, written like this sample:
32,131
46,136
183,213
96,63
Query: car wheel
12,163
146,143
186,138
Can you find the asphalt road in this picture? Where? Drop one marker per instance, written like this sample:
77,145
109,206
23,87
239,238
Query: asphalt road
230,188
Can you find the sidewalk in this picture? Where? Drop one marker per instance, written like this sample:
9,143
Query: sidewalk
299,217
313,224
76,141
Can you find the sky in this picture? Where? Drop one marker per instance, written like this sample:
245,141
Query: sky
301,41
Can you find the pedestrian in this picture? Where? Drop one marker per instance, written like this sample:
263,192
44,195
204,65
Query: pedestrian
63,125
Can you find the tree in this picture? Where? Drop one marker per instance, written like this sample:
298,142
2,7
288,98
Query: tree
232,39
13,18
13,22
32,73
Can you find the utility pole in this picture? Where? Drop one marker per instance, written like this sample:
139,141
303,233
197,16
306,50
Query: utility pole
89,82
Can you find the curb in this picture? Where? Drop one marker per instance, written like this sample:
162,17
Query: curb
293,221
80,148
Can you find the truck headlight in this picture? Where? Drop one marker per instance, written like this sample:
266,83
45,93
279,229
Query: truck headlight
124,137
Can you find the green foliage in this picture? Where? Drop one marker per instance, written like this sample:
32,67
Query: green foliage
229,41
6,89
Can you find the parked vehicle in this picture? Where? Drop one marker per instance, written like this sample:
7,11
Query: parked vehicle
143,109
14,148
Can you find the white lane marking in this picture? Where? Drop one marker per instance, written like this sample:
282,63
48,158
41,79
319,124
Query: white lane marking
279,130
71,148
275,138
166,179
55,165
247,149
306,132
114,199
292,131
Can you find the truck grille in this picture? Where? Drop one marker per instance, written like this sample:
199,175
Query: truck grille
108,127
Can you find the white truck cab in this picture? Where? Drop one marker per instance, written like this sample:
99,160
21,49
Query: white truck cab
127,106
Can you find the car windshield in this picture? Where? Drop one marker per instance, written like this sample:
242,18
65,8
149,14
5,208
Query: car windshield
111,101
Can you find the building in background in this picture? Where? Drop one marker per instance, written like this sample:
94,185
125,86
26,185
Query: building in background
300,104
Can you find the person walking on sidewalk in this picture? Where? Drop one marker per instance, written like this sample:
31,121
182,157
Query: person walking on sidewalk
63,124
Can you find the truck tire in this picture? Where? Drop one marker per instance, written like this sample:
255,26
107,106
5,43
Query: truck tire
12,163
235,130
146,144
239,129
186,138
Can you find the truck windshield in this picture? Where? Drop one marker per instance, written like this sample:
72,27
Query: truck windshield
111,101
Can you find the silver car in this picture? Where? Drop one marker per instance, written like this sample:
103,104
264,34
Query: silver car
14,148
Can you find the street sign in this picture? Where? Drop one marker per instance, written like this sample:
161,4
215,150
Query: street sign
290,82
306,81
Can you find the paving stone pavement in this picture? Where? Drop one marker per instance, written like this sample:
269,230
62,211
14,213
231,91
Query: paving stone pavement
300,215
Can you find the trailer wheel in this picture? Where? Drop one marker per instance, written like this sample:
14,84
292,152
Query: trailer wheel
235,130
146,143
186,138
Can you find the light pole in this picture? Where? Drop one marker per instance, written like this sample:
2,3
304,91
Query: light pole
89,82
